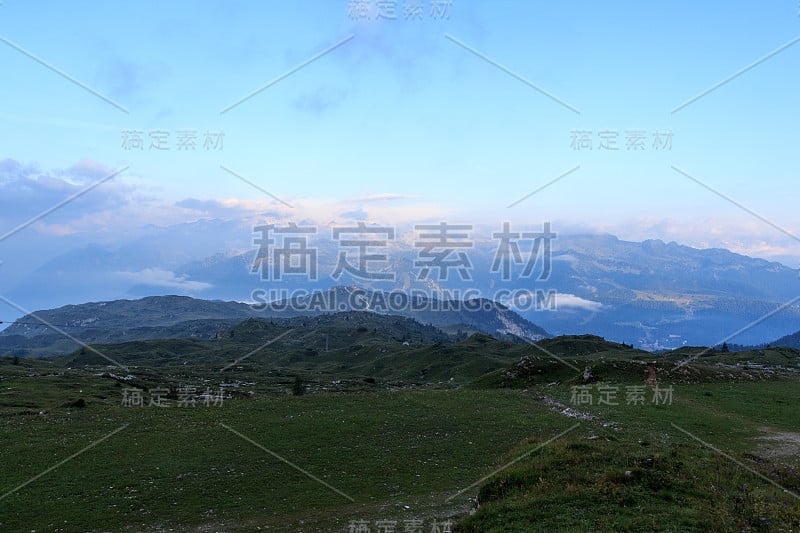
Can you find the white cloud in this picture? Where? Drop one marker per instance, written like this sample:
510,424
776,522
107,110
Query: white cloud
383,197
157,277
89,169
571,301
124,205
27,192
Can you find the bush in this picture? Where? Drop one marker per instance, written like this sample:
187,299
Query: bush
298,387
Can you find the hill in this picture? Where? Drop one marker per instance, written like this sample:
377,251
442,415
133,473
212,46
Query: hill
182,317
347,345
788,341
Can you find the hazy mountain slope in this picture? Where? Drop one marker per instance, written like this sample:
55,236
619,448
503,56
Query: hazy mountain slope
651,293
164,317
788,341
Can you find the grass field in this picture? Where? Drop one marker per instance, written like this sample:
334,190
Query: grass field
179,468
650,471
377,449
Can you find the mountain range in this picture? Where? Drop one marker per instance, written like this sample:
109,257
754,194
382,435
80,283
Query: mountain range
651,294
182,317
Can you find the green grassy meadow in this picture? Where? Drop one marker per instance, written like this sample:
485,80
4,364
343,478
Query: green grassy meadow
472,442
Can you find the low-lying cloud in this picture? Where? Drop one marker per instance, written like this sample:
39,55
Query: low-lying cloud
571,301
156,277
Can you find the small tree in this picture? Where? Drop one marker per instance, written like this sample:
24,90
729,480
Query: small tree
298,388
724,348
15,360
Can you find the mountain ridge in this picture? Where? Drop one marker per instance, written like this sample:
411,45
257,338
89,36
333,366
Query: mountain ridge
174,316
654,294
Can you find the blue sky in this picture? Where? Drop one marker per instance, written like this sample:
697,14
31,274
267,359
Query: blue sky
401,122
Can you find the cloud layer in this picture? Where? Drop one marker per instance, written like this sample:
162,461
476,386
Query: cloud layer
156,277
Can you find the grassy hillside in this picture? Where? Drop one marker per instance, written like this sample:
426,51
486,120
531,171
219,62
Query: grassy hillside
645,474
405,424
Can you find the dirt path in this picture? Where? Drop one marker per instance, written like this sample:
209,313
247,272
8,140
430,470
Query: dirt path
779,443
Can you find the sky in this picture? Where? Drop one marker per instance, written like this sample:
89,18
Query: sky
465,111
